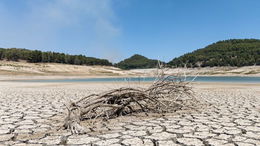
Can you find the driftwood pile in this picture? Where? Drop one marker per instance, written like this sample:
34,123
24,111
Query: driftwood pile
161,96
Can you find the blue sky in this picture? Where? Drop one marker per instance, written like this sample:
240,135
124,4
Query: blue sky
117,29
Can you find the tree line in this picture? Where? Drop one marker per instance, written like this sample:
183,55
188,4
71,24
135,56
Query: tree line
36,56
233,52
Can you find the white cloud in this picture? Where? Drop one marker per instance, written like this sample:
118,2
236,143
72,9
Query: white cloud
42,23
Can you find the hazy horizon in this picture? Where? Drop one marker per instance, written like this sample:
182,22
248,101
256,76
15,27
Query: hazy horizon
115,30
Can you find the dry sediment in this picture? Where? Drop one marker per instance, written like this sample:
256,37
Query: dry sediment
32,114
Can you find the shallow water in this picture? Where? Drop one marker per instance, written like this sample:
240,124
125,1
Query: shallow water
230,79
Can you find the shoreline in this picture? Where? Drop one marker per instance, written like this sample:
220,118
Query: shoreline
22,70
195,85
65,77
101,85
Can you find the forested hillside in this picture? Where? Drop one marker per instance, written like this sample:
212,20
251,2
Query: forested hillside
234,52
137,61
35,56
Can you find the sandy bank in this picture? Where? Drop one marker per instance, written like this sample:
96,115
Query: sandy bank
23,70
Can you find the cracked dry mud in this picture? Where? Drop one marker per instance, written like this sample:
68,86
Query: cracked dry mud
31,114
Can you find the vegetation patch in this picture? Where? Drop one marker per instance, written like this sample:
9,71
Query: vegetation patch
137,62
36,56
234,52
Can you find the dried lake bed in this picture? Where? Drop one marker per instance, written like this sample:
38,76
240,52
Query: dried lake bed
31,114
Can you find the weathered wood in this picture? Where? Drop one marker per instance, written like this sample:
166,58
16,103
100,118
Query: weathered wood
159,97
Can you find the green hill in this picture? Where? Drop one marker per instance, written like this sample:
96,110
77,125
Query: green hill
234,52
137,62
35,56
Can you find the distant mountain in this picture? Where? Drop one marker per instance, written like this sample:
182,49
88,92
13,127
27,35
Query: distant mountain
137,62
233,52
35,56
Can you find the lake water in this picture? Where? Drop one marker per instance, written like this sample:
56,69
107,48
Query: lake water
230,79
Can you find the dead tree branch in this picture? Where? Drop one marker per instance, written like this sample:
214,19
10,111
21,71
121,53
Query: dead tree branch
160,97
